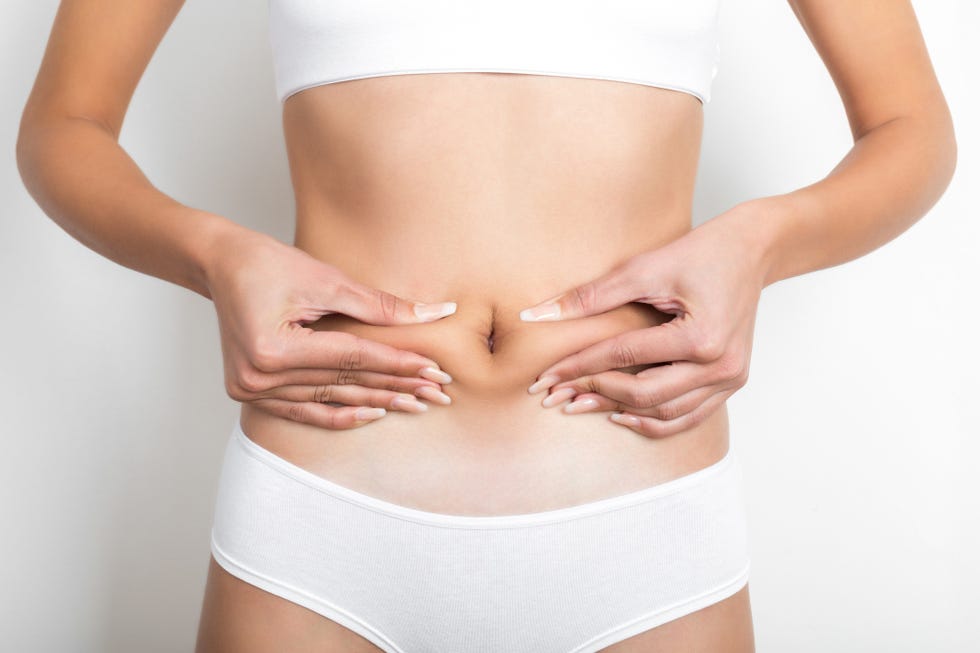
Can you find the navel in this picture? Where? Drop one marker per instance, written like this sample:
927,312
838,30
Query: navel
491,327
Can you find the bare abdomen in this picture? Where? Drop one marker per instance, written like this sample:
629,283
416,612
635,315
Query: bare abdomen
496,208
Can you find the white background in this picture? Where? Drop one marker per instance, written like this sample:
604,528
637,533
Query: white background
857,431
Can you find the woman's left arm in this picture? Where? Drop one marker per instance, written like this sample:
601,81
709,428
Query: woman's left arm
904,149
902,160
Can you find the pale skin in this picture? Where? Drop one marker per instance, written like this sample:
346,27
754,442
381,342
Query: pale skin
296,378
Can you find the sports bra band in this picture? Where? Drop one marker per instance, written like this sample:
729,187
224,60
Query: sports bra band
670,44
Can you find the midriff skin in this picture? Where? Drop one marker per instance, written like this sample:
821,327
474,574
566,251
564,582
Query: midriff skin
496,191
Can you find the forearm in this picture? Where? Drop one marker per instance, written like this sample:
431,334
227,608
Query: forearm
83,180
890,178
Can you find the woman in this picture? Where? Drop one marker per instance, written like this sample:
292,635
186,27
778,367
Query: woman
525,173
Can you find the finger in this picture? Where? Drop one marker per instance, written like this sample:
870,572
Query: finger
663,343
615,288
668,410
322,415
337,350
645,389
349,395
260,382
376,306
652,427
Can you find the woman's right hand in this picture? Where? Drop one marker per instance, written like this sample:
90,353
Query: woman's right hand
265,291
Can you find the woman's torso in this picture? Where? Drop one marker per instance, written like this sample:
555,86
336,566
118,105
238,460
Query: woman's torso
496,191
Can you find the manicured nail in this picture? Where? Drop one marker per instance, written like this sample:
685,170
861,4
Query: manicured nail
558,396
429,312
628,420
430,393
409,403
364,414
435,374
544,382
581,405
544,312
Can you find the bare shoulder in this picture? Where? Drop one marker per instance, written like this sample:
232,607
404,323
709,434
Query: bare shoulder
96,54
877,57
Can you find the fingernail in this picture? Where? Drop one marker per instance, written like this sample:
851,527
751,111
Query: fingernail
544,382
581,405
628,420
434,374
558,396
429,312
370,413
549,311
430,393
409,403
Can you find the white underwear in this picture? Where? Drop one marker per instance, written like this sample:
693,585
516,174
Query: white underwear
571,580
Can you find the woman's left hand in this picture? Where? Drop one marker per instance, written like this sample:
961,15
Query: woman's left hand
710,279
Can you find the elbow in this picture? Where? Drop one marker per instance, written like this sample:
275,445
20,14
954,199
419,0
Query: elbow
25,152
938,121
932,135
42,141
953,152
29,146
939,157
944,137
38,153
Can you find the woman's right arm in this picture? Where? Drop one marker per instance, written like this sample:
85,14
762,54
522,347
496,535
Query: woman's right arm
68,152
264,290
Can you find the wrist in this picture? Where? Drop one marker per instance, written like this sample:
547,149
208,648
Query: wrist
211,239
762,225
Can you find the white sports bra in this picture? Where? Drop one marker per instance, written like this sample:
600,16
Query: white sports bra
670,44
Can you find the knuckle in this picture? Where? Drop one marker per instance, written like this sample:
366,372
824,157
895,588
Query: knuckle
593,384
234,390
584,296
651,429
743,377
323,393
352,357
266,353
707,348
640,396
388,304
624,354
250,381
729,367
346,376
297,412
664,429
741,369
339,287
669,411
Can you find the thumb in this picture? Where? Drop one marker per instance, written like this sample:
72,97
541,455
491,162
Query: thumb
613,289
375,306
